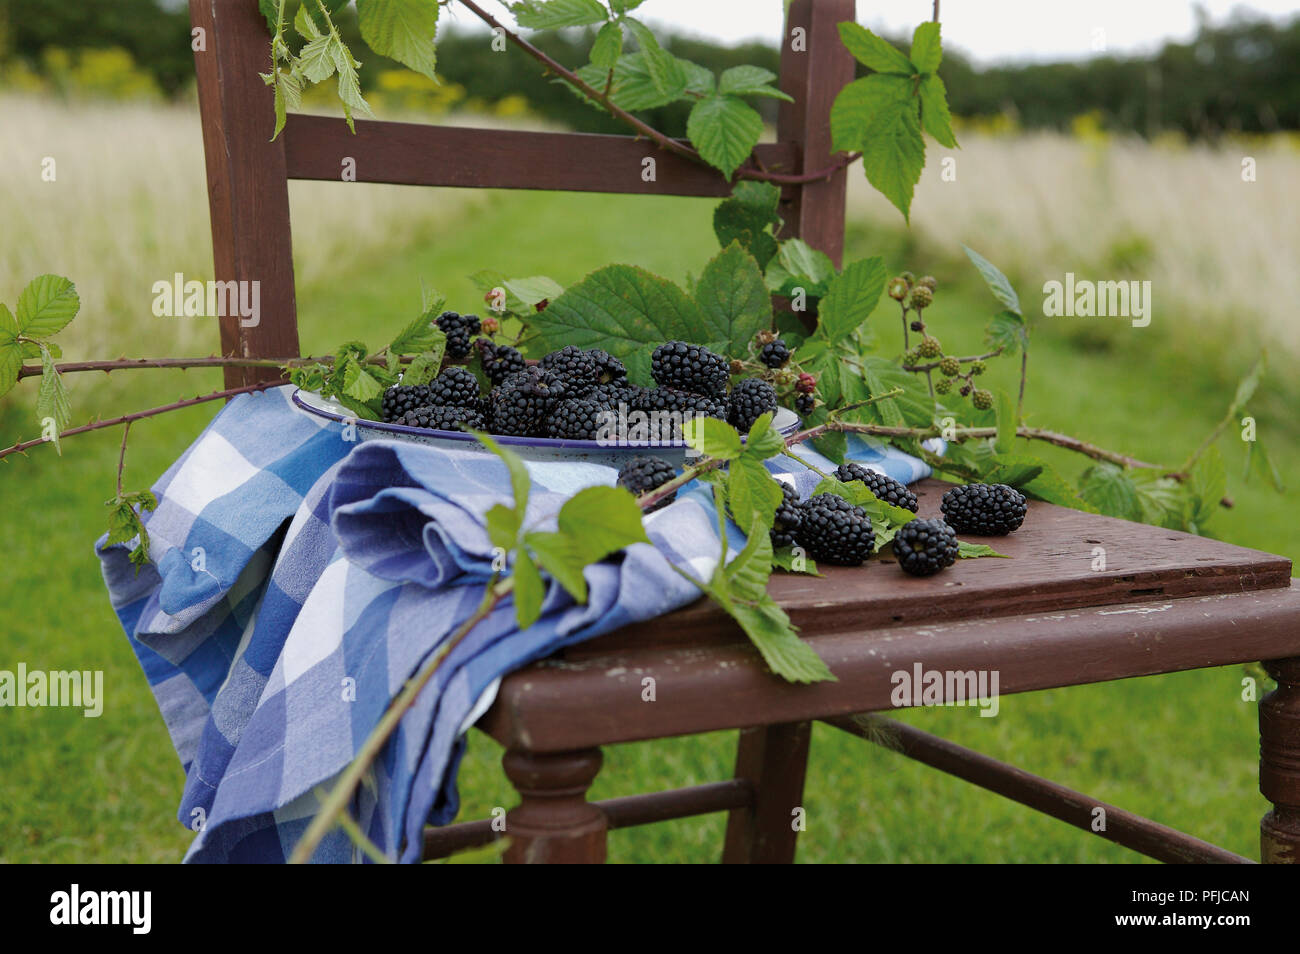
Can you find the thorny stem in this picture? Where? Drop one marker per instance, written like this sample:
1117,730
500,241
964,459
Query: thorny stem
140,415
337,803
121,457
966,360
126,364
645,129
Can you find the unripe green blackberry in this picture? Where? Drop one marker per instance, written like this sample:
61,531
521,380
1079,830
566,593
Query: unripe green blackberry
927,281
982,399
908,277
898,288
920,297
950,367
943,386
978,367
929,348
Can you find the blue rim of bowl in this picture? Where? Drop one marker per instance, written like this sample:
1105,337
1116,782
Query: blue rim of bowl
548,443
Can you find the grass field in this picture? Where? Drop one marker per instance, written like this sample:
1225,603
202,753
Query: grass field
1180,748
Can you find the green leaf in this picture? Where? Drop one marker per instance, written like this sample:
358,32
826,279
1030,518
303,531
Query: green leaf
529,590
752,492
555,14
600,521
403,30
1014,470
559,557
712,438
935,117
970,551
769,629
1208,482
833,444
874,52
1036,478
305,23
46,305
423,368
422,334
634,88
624,6
365,411
316,59
11,352
733,299
666,71
750,81
1257,462
725,130
880,116
535,289
927,50
349,87
996,281
607,47
1111,491
881,512
358,383
784,559
803,261
700,80
52,398
746,218
913,408
1007,423
1163,499
851,298
626,311
1247,386
1006,330
503,525
520,482
763,440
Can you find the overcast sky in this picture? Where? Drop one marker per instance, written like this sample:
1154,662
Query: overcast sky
987,30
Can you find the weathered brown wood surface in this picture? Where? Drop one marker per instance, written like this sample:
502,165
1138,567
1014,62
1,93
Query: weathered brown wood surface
1050,568
420,154
559,704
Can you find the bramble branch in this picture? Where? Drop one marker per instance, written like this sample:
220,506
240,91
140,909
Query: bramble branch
211,361
662,140
141,415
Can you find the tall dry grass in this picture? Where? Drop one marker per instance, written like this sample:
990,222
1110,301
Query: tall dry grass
128,207
1216,248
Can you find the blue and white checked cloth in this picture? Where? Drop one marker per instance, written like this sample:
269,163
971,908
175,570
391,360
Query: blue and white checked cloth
298,580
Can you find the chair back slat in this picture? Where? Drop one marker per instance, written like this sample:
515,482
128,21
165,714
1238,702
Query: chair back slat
248,174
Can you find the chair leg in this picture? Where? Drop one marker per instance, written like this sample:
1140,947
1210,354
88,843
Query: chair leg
554,823
1279,764
773,758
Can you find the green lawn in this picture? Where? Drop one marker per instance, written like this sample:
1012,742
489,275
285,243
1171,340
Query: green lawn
1180,748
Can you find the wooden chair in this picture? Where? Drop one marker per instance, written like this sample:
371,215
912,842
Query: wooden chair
1166,601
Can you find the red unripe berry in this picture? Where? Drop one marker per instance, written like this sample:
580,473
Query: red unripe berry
807,384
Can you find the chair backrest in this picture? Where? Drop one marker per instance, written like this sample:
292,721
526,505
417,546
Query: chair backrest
248,174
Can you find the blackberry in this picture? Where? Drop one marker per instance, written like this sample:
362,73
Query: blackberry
615,393
689,367
924,547
459,329
982,399
978,366
519,405
950,367
986,510
576,420
610,369
917,325
833,530
806,384
443,417
401,398
575,367
454,386
898,288
943,386
920,297
928,281
885,488
683,405
499,361
640,475
775,354
788,517
805,403
750,399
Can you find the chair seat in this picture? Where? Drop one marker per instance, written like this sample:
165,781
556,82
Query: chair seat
1051,616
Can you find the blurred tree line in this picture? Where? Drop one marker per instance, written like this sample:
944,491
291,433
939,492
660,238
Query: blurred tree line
1243,75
